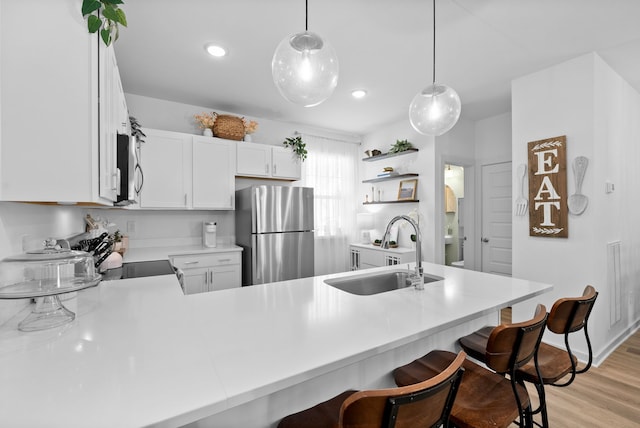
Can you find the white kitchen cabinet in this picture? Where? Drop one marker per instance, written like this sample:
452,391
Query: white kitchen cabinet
184,171
265,161
210,271
285,164
114,120
213,164
52,147
364,256
165,158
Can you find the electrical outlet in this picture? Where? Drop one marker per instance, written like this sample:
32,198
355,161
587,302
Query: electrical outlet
131,226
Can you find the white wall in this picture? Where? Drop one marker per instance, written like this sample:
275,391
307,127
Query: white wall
588,102
492,145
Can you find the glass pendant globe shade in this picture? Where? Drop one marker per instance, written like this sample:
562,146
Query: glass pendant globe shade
305,69
435,110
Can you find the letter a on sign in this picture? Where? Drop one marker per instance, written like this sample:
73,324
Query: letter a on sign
548,213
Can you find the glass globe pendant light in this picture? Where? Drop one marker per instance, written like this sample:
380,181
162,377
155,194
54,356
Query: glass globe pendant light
435,109
305,67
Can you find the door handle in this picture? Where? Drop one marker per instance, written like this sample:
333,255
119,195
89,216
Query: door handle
485,240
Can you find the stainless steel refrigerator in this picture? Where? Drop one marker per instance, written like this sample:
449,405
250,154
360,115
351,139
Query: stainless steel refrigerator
274,226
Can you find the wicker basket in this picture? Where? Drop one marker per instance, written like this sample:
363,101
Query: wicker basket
228,127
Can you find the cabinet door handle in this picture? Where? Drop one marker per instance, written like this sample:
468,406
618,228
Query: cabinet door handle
274,168
192,263
224,260
211,276
206,278
266,168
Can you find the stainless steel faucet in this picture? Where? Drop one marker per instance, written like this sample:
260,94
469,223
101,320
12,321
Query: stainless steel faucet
385,240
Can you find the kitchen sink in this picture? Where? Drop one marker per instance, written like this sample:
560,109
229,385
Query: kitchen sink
378,282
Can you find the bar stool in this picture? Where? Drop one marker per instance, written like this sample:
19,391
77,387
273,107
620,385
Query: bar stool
486,398
568,315
425,404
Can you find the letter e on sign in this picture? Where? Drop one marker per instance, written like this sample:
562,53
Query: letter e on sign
548,212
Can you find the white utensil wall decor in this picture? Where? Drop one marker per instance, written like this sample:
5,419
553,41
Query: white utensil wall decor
548,213
521,204
578,202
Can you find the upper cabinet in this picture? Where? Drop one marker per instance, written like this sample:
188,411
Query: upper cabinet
165,158
213,163
265,161
61,103
185,171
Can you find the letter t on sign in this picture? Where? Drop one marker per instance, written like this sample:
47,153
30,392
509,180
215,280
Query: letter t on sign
548,212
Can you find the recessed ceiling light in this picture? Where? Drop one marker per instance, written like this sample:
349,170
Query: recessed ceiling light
359,93
215,50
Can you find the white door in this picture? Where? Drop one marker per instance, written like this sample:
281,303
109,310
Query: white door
496,218
286,164
254,159
165,159
213,173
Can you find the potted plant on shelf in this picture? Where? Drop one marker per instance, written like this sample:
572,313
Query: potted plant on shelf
136,130
400,146
105,14
297,145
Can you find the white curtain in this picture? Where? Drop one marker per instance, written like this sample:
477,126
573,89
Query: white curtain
331,169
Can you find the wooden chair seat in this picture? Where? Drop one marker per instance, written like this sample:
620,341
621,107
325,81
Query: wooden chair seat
480,400
554,364
475,344
322,415
423,404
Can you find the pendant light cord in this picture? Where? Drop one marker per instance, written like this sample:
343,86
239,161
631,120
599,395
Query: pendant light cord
306,15
434,42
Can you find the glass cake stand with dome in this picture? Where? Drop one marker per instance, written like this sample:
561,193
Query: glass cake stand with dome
44,275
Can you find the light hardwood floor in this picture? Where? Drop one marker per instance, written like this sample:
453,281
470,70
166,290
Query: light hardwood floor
605,396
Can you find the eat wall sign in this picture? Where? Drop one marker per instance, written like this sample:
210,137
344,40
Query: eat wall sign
548,213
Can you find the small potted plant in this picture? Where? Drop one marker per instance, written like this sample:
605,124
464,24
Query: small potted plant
400,146
250,126
105,14
297,145
205,122
136,130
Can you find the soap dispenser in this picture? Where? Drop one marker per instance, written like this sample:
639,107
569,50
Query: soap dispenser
209,234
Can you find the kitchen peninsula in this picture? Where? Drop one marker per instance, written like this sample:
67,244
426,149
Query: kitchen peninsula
140,353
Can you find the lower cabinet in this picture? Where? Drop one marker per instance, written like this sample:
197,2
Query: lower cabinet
364,256
209,272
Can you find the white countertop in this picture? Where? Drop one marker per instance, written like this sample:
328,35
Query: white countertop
163,253
141,353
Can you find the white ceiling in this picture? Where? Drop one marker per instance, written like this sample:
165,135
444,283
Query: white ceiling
383,46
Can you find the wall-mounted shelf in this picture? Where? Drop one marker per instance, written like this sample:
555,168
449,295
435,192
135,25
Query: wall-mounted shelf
391,202
391,177
389,155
